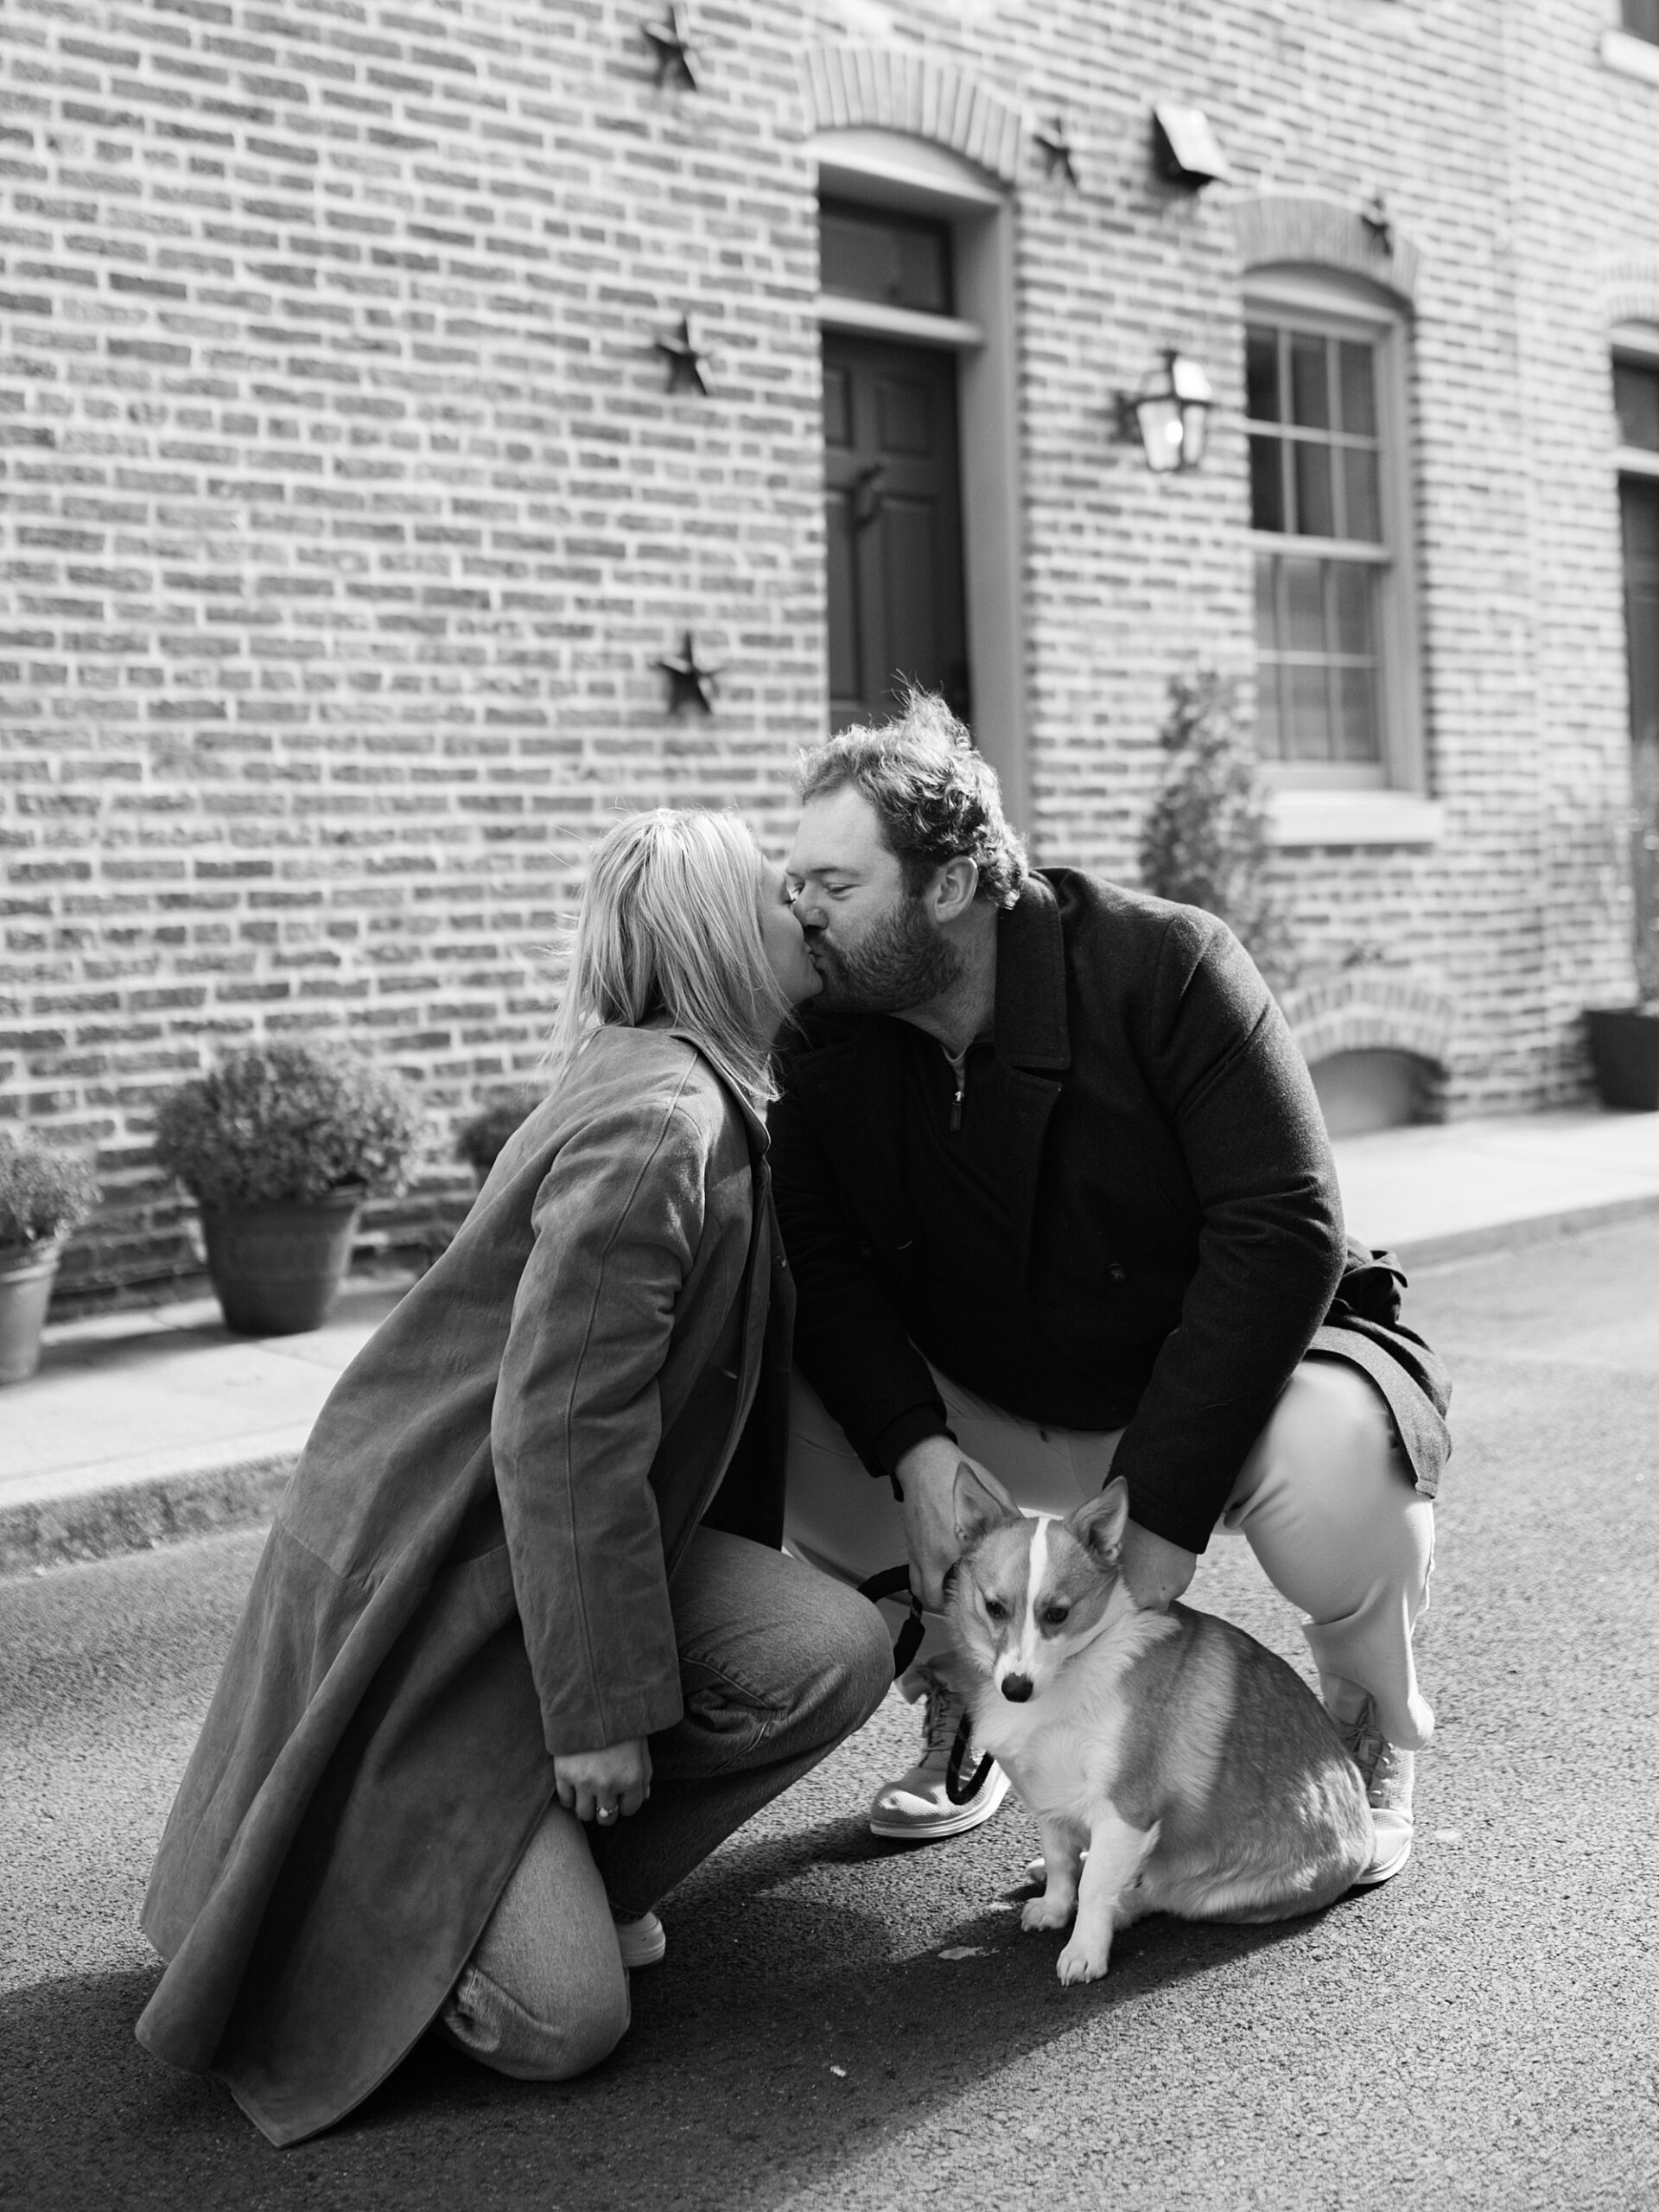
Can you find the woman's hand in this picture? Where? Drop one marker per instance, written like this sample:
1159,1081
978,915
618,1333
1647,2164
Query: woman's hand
603,1785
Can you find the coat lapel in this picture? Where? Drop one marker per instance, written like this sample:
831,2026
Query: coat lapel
1031,1033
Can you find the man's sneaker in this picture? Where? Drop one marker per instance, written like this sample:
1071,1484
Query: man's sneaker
917,1808
643,1942
1386,1770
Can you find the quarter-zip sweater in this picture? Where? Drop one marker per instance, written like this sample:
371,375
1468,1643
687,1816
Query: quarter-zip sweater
1135,1222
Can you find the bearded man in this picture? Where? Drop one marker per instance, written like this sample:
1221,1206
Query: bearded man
1059,1199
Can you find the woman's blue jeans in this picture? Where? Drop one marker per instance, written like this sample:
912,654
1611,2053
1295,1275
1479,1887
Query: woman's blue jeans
778,1664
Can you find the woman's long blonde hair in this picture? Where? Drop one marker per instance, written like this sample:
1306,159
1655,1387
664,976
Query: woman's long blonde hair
669,929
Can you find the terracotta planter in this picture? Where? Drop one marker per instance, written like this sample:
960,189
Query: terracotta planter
278,1270
1624,1047
26,1273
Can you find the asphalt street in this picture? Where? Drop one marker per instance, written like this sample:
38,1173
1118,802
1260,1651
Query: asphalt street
845,2024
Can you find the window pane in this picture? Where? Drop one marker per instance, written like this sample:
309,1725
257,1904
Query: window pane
1304,607
866,256
1262,373
1359,386
1266,618
1362,514
1356,735
1642,17
1315,515
1309,736
1636,395
1353,587
1267,483
1310,398
1269,740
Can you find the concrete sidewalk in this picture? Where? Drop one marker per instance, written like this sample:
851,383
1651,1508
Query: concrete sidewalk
141,1427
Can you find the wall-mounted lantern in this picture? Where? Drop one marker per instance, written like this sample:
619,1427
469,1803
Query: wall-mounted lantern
1170,414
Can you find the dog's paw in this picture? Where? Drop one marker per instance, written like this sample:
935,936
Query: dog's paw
1047,1912
1080,1961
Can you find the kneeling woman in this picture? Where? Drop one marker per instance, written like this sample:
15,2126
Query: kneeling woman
521,1648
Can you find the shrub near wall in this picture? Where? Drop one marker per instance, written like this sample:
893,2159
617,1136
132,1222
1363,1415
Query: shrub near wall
327,624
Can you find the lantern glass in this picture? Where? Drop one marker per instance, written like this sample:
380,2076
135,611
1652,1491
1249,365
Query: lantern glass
1159,415
1195,431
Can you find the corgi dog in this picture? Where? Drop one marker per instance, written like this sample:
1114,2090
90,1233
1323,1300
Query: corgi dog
1201,1775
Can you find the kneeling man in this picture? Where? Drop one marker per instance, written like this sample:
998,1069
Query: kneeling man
1057,1196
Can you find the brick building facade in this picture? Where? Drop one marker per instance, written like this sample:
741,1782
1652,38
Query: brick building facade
350,501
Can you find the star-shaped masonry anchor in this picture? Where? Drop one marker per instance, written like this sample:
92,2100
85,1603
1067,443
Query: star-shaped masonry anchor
688,681
1053,142
1377,220
687,360
672,48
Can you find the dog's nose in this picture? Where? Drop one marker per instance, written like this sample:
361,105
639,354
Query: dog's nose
1016,1687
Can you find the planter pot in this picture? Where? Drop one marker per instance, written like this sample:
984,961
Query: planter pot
26,1273
278,1270
1624,1047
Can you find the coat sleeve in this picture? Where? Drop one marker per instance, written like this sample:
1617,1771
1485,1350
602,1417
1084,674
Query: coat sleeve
849,1340
1270,1241
577,1420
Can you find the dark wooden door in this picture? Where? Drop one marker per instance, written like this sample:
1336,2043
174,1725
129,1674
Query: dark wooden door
892,510
1639,507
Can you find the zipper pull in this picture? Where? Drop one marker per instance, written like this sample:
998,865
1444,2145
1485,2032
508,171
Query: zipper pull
955,1103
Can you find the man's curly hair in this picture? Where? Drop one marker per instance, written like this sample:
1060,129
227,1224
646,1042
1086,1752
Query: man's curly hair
936,798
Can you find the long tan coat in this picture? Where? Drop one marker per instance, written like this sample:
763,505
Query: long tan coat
469,1573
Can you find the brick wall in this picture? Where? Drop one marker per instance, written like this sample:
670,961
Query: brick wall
345,509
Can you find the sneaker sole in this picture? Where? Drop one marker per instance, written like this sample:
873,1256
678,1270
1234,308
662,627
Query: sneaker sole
1375,1874
957,1821
642,1950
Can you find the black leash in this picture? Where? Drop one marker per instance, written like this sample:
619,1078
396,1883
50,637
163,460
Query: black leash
895,1582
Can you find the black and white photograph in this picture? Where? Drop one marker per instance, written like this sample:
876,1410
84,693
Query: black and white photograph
828,1105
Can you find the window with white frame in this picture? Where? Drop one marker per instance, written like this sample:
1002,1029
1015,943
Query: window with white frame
1640,19
1336,674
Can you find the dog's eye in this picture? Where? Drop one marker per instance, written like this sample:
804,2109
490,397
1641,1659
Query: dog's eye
1054,1616
995,1610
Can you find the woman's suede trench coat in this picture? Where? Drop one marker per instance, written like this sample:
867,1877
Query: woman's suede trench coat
470,1571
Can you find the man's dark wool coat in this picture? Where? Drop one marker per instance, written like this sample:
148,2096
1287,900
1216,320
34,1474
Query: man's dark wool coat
1172,1196
470,1571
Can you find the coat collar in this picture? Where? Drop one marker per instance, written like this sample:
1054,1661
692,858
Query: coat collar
1030,1021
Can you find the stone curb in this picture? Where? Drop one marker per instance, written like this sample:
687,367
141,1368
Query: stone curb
103,1520
101,1523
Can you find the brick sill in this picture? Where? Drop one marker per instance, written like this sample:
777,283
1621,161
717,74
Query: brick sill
1632,57
1314,817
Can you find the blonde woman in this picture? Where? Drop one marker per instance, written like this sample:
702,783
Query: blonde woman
483,1707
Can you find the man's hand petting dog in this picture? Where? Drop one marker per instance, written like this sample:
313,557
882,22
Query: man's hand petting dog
927,1476
1157,1572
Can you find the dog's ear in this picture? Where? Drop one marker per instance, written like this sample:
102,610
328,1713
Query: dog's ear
1099,1523
978,1509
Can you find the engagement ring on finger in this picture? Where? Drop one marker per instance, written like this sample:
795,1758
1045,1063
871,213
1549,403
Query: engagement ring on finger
607,1812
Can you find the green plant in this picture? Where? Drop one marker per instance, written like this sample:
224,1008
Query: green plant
276,1123
479,1141
43,1194
1205,841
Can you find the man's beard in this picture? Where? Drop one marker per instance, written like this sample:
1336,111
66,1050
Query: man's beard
902,962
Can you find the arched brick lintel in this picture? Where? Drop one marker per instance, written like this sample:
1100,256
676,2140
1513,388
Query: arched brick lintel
891,88
1365,1012
1274,228
1629,289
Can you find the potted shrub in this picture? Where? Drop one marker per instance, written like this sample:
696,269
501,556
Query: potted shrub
279,1145
44,1195
479,1140
1205,839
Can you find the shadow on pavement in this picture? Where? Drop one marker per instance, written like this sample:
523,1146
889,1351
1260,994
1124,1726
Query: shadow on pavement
791,2032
